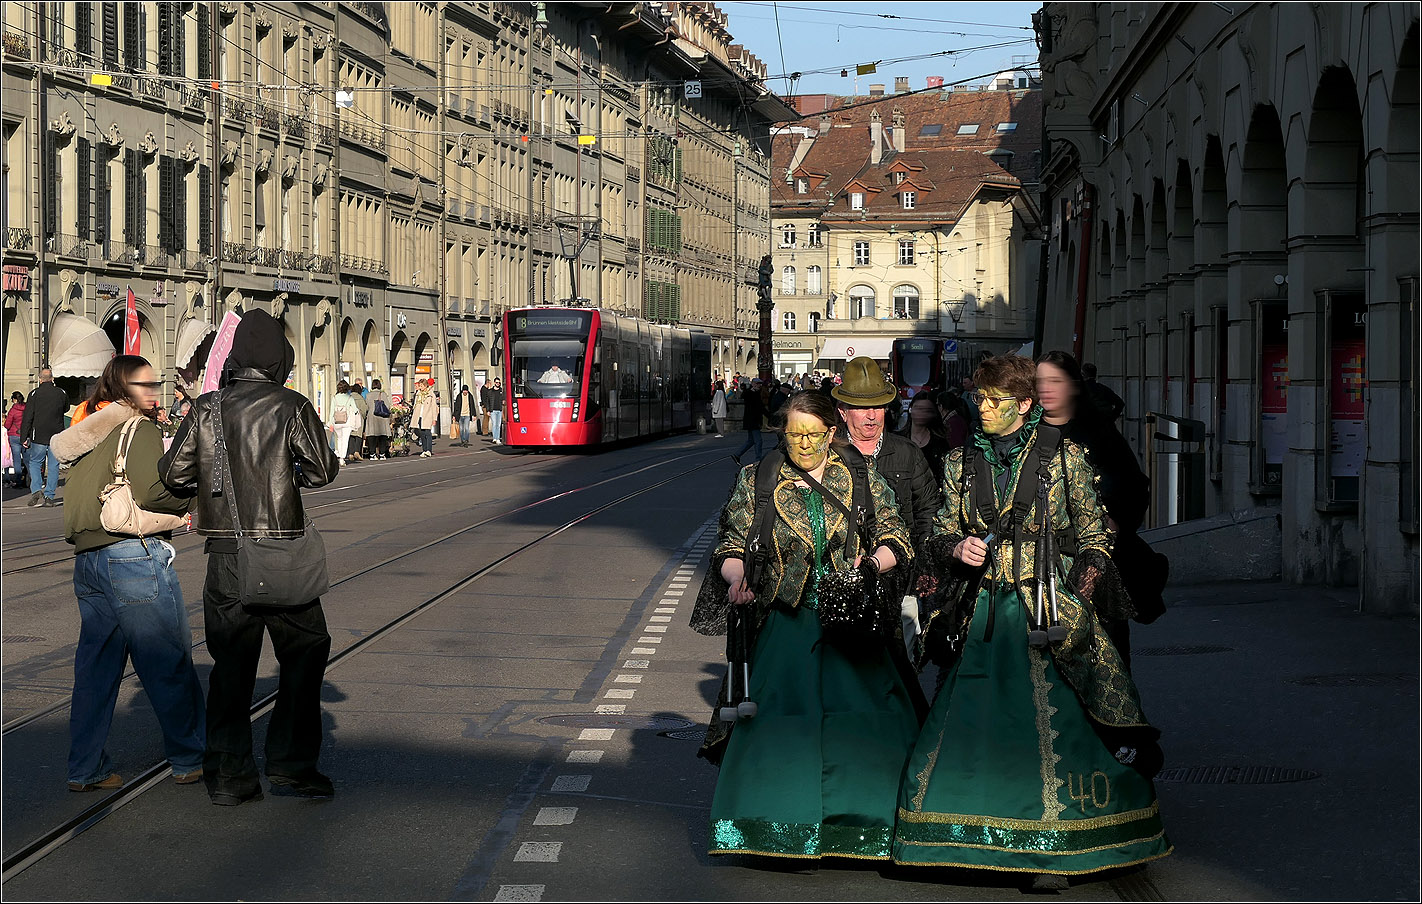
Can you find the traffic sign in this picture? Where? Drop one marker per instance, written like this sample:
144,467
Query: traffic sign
950,350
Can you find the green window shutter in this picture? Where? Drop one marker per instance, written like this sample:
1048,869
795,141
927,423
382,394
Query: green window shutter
83,197
101,197
204,207
677,175
165,204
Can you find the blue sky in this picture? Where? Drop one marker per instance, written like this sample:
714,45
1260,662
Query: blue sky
828,35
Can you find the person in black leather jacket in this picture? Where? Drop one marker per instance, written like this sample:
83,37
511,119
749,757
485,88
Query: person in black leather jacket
276,445
863,399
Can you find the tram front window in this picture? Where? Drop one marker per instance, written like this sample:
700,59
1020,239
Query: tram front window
917,369
548,368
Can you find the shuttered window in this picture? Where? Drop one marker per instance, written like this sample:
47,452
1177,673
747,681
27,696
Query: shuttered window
110,28
165,39
204,38
102,202
51,184
204,206
135,222
83,197
180,207
133,37
83,28
165,204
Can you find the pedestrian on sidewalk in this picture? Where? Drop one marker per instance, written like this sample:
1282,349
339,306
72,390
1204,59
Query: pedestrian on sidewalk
130,601
425,415
754,399
718,408
276,446
43,418
466,408
496,411
1123,488
344,418
1036,757
814,773
377,428
357,442
14,417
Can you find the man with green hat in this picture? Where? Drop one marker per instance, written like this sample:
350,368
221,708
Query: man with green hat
863,399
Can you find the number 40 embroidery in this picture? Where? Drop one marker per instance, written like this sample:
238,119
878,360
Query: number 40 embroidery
1096,789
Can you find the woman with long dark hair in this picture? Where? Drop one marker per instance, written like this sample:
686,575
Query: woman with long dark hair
814,773
130,602
925,428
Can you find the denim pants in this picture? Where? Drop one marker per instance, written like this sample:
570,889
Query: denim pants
131,607
17,457
464,430
496,425
426,439
38,456
234,638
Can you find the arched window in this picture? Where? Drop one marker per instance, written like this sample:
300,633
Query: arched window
787,281
813,283
788,321
906,302
861,302
814,321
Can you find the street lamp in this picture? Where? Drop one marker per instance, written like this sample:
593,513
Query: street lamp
955,311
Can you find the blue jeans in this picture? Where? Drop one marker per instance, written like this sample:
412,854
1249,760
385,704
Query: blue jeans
496,425
752,438
426,439
17,455
464,430
131,606
36,457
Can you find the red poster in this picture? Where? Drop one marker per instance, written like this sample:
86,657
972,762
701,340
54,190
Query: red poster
130,327
1347,382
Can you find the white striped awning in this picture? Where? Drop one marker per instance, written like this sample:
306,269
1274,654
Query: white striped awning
77,347
190,335
877,347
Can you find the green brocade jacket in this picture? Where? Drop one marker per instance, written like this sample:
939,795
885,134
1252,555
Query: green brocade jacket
1086,659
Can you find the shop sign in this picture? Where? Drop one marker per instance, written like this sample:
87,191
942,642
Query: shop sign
106,290
426,357
290,286
454,332
788,343
360,298
17,278
478,331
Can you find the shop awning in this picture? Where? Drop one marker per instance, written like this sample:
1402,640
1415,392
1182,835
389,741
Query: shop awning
78,348
877,347
190,336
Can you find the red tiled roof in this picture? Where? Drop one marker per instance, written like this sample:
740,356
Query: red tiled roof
948,182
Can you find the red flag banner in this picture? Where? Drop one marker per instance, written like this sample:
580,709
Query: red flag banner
130,326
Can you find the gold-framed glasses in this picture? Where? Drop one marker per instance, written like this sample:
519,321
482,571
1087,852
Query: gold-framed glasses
977,397
801,439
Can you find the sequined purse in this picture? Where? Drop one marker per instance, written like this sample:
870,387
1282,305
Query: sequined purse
850,609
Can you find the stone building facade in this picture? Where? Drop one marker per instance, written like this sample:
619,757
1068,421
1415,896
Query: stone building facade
1232,207
385,178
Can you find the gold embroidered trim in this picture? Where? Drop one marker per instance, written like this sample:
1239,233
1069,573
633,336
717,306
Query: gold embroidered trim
1037,825
1035,869
1012,850
802,856
927,771
1051,803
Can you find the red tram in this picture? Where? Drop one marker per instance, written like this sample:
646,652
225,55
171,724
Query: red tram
584,377
916,364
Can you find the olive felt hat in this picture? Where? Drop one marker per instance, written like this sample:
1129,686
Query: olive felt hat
864,385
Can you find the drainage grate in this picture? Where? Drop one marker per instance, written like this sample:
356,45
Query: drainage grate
633,723
690,734
1181,651
1235,775
22,638
1372,680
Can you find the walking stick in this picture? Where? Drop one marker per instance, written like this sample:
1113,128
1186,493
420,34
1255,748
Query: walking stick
738,667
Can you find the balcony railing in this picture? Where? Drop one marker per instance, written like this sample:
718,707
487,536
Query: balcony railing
17,46
293,125
234,108
237,252
266,257
153,88
18,238
266,116
634,174
192,97
352,262
325,136
69,246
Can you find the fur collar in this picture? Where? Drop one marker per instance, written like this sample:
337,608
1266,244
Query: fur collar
78,440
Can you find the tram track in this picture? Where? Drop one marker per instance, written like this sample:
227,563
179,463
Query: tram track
59,705
55,838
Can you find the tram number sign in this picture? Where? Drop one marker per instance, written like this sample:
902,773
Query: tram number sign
691,89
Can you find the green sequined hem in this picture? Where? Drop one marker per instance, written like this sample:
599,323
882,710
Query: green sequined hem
1026,845
790,839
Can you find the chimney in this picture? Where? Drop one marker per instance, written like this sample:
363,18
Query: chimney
876,138
825,124
876,90
899,129
935,81
901,84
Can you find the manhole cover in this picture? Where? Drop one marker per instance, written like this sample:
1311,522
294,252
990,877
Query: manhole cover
1235,775
1181,651
690,734
22,638
633,723
1375,680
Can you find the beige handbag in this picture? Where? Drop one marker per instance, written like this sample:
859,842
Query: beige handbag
118,513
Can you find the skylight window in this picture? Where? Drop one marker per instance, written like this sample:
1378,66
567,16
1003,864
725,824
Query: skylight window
1007,127
931,131
970,129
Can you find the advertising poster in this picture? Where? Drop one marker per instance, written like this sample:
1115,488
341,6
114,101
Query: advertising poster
1346,386
1274,392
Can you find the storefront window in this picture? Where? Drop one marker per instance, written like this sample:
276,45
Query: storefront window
1272,318
1344,338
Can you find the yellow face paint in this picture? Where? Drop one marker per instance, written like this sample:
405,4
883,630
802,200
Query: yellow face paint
807,441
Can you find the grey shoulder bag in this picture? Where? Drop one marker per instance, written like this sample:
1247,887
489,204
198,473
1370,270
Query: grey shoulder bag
272,573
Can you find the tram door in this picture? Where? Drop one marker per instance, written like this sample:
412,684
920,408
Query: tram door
606,380
627,379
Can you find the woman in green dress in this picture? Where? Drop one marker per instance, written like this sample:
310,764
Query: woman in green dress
815,773
1036,756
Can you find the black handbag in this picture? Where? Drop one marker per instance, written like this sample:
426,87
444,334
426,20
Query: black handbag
272,572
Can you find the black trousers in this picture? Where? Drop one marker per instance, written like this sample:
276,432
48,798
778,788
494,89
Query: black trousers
234,639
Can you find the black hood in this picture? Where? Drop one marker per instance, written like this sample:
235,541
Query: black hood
260,343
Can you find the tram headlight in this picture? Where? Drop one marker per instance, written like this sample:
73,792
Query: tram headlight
575,410
514,408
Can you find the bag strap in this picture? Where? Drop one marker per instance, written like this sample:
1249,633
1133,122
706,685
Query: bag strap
767,472
120,466
222,480
851,512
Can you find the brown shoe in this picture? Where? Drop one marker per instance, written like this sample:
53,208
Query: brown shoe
188,778
109,784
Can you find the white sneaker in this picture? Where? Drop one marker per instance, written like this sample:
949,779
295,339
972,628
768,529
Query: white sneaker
424,455
720,436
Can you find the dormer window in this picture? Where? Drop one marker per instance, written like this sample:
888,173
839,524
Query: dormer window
899,178
802,186
856,200
909,198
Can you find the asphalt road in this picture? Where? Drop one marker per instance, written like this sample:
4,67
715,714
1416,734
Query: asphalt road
532,734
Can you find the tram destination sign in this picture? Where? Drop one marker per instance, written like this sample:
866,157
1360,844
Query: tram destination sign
553,322
926,346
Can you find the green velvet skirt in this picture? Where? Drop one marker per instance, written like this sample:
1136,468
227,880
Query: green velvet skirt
1009,775
816,772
